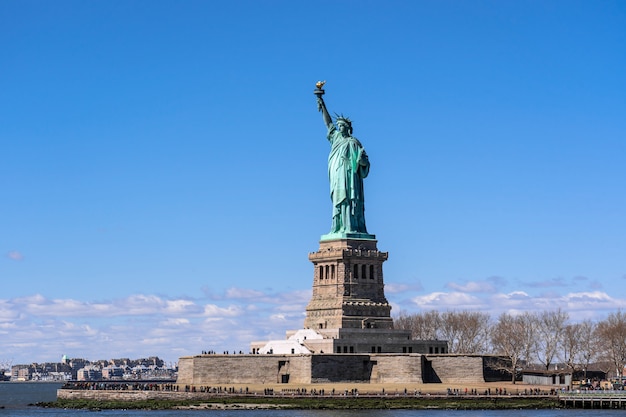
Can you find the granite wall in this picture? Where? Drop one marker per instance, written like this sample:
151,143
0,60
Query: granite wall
214,370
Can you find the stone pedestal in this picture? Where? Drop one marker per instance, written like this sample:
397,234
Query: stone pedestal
348,287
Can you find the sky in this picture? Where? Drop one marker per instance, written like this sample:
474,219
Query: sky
163,164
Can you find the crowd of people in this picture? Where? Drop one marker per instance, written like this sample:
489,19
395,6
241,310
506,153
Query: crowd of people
171,386
121,386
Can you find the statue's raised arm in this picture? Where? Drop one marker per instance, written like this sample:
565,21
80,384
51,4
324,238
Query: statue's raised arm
321,106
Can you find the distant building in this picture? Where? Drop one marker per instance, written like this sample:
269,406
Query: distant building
21,372
89,373
556,377
112,372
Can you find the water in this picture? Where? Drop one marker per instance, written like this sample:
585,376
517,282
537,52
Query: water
20,394
16,396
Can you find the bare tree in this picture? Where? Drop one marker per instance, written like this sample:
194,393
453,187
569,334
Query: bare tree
528,335
589,346
612,336
579,346
474,332
450,330
465,331
550,327
423,326
510,338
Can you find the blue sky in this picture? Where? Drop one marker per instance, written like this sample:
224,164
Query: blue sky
163,164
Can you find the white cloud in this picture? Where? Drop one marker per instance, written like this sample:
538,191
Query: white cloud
15,255
154,341
140,304
243,294
588,296
291,307
134,305
35,298
488,285
588,304
511,299
592,300
446,301
472,287
214,311
182,307
175,322
8,325
7,311
256,296
398,287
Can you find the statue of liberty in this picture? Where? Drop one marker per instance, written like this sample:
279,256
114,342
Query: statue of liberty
348,165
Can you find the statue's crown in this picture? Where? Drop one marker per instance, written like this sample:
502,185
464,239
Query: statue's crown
341,117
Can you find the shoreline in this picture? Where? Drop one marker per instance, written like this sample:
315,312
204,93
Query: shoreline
105,399
317,404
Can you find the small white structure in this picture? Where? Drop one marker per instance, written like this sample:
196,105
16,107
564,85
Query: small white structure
294,344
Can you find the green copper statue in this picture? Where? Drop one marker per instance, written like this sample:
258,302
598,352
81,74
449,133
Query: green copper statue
348,165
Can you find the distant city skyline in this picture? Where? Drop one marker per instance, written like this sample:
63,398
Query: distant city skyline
83,369
164,164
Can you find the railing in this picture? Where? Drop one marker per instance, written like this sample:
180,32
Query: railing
593,399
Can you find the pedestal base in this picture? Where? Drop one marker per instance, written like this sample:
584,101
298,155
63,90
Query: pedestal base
345,235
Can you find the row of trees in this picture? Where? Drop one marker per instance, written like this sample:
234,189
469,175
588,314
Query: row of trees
529,340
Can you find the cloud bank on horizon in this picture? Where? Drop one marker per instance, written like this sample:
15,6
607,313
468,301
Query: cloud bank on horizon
40,329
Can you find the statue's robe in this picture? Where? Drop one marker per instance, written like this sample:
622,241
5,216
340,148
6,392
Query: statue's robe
347,166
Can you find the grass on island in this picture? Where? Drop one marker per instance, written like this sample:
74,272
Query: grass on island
317,403
370,397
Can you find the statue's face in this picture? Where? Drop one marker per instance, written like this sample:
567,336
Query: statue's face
343,128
